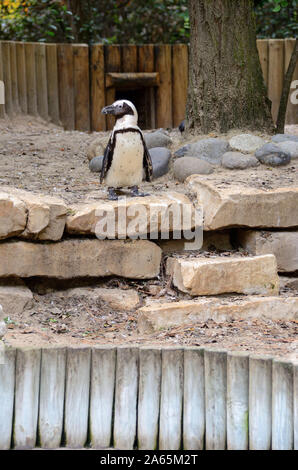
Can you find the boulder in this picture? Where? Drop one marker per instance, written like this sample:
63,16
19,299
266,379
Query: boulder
117,299
160,157
272,155
246,143
13,215
238,206
157,139
74,258
289,147
182,151
284,138
211,150
14,297
186,166
238,161
95,164
220,275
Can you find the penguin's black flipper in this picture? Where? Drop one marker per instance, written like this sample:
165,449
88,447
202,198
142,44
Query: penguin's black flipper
107,159
147,162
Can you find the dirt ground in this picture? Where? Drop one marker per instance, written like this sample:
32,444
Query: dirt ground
42,158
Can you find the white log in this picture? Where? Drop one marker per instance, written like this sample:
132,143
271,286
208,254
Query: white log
170,425
149,396
282,405
51,401
7,384
103,365
194,399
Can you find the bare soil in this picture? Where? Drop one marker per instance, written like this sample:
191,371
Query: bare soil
43,158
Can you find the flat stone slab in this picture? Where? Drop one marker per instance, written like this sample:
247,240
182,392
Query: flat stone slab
238,206
14,297
220,275
157,315
134,259
284,245
13,215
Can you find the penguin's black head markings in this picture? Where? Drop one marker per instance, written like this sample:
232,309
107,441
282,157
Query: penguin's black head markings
119,109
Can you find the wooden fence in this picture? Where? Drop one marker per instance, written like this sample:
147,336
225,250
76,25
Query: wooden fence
70,83
147,398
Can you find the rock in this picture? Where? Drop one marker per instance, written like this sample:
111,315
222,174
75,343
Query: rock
13,215
74,258
284,245
95,164
238,160
137,215
210,150
246,143
117,299
289,147
3,327
271,154
160,157
182,151
289,282
239,206
284,138
186,166
97,147
158,315
157,139
14,297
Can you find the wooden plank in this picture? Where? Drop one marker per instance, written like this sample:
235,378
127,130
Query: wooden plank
292,115
170,424
112,64
2,87
7,385
146,64
7,77
41,81
260,402
22,80
52,83
194,399
129,58
215,398
295,393
149,396
26,397
237,401
125,415
275,73
179,82
103,366
131,80
262,46
66,86
282,405
14,78
77,397
31,78
163,65
98,120
81,87
51,401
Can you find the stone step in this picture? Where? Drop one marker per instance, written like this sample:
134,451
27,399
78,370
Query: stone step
232,205
219,275
158,315
134,259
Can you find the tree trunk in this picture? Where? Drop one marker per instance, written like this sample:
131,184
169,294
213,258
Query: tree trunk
226,86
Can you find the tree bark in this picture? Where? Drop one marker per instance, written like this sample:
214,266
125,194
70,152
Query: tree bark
226,86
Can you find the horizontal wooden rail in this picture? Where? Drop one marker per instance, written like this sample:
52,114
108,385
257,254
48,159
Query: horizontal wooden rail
132,80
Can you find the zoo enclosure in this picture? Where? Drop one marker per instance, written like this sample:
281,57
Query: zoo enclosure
69,84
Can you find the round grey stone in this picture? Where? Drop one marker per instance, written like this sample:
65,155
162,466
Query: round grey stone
182,151
160,157
157,139
272,155
95,164
211,150
246,143
238,161
284,138
290,147
186,166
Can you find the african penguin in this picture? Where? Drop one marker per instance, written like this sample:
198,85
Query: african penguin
126,156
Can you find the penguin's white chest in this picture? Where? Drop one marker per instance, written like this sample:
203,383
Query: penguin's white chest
127,163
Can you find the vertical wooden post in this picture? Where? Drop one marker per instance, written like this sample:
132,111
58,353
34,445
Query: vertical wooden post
14,78
98,120
31,78
215,398
52,82
51,402
262,45
103,366
77,396
146,64
112,64
26,397
291,117
275,73
66,86
149,396
129,58
237,401
41,81
295,393
2,106
125,416
260,402
7,77
22,80
179,82
282,406
170,425
81,87
7,386
163,65
194,399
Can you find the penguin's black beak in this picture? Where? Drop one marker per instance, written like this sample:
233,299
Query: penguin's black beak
109,110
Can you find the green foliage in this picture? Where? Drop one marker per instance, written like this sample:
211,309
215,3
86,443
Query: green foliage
277,19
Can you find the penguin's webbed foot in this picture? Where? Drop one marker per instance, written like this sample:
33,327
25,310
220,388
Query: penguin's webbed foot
135,192
112,195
